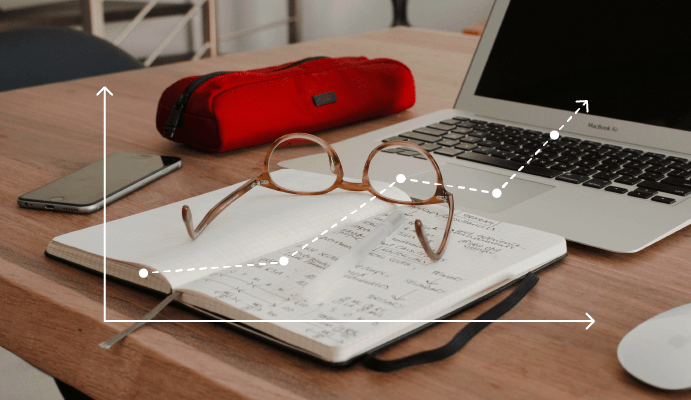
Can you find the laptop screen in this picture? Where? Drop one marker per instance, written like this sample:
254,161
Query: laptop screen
629,59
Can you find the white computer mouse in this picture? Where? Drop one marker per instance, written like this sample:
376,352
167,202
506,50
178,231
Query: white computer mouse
658,351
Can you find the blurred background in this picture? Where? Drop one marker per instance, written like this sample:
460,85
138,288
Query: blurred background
309,20
167,31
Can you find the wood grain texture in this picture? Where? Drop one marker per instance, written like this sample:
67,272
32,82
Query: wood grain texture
51,313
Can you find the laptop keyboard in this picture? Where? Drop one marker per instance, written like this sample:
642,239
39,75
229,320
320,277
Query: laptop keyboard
587,163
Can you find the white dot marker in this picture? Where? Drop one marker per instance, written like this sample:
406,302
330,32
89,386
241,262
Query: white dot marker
496,193
400,178
143,273
554,135
283,260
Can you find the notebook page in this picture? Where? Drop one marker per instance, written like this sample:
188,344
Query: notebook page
396,281
260,222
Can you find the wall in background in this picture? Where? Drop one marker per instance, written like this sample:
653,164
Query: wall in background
320,19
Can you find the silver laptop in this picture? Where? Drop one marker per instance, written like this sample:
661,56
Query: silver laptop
617,178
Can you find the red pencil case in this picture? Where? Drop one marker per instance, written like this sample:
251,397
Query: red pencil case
225,111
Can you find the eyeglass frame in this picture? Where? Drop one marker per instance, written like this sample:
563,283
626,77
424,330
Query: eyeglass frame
441,195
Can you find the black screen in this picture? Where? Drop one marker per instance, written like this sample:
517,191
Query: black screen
630,59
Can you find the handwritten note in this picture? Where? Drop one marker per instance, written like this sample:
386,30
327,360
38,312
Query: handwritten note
395,281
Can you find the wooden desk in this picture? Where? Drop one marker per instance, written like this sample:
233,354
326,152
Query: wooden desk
51,314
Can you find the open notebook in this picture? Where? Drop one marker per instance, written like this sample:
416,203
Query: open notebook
233,269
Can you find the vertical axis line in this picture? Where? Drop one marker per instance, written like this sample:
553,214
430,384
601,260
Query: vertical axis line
105,94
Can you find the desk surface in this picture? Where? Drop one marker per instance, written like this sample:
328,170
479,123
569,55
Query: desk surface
52,316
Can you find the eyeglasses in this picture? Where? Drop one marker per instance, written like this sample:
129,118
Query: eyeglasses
328,158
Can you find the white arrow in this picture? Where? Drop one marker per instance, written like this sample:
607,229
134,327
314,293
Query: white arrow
591,320
104,90
585,103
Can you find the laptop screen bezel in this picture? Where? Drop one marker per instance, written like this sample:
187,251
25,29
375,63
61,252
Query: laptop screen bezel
627,132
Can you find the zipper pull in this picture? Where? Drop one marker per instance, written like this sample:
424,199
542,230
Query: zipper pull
175,115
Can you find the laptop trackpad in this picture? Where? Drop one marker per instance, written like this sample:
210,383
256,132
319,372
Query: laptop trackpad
517,191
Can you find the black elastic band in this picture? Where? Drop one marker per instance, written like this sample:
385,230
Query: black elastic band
461,338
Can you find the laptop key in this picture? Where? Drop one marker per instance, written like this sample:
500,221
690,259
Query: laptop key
677,182
630,172
665,187
587,163
441,127
448,142
430,131
593,156
463,131
508,147
659,161
651,176
573,153
504,154
680,174
562,167
479,134
449,122
409,153
636,151
679,165
393,150
547,155
636,165
566,159
461,119
518,141
658,155
542,162
640,194
466,124
466,146
628,180
679,159
448,151
392,138
430,146
606,175
637,157
616,189
614,160
597,183
584,171
658,168
485,150
509,164
453,136
490,143
471,139
421,136
417,142
521,158
572,178
665,200
608,167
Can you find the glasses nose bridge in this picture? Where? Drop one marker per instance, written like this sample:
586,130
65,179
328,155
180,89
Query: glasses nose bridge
354,186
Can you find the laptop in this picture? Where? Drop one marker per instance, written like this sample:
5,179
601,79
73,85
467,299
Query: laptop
610,78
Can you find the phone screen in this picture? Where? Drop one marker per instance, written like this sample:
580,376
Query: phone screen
85,187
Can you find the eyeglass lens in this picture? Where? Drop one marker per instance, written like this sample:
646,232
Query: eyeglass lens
319,162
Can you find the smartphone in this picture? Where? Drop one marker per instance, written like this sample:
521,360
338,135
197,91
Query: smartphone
81,192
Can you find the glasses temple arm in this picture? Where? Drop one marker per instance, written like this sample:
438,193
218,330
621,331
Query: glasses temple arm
435,255
215,211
